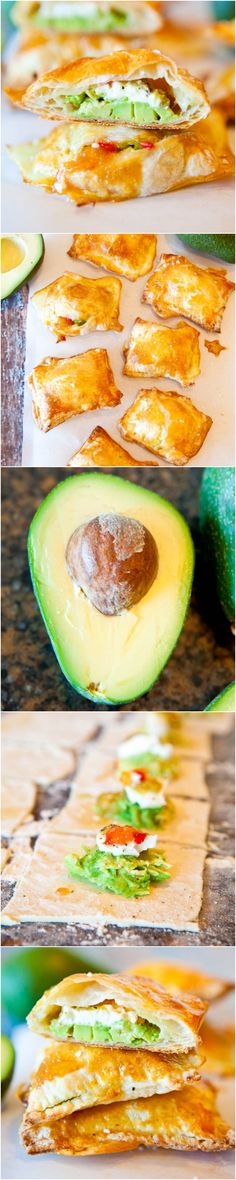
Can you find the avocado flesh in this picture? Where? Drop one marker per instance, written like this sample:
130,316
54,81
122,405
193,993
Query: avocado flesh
224,702
218,245
122,1032
109,658
32,246
109,20
96,106
217,524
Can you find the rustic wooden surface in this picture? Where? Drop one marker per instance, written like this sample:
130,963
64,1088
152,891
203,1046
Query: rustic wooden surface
217,914
199,668
13,334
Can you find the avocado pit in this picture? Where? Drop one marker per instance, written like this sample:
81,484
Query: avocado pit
114,560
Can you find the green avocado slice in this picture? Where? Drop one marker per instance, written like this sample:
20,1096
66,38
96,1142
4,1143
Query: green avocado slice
122,1032
224,702
111,658
31,247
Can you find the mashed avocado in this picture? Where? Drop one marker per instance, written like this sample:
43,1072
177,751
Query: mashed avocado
96,20
111,806
129,875
122,1032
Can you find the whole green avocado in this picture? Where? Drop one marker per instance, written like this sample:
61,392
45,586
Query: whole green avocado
217,524
220,245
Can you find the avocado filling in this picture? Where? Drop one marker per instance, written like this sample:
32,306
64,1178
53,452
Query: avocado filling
88,18
134,102
127,875
114,1027
111,806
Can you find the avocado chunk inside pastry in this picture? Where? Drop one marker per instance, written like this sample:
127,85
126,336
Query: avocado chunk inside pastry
65,16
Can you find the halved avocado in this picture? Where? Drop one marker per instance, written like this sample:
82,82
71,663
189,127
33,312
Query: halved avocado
224,702
24,253
112,658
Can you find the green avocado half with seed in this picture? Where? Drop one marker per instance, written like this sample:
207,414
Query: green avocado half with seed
112,567
26,252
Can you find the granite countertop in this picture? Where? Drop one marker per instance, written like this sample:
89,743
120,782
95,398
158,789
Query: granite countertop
200,667
216,923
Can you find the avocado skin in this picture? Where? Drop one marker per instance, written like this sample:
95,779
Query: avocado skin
224,702
16,286
217,525
220,245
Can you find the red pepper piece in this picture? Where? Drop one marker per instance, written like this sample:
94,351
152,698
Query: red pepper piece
116,834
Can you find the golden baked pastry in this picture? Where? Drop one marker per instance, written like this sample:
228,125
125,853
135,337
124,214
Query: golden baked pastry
221,90
131,255
163,352
62,388
72,1077
177,1021
218,1047
134,87
39,52
100,450
221,32
168,424
181,287
188,1121
88,165
178,978
94,18
74,305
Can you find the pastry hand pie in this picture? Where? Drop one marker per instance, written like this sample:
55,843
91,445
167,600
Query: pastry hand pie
188,1121
38,53
178,978
62,388
163,352
87,17
137,88
74,305
131,255
100,450
181,287
73,1077
167,424
117,1010
76,162
218,1046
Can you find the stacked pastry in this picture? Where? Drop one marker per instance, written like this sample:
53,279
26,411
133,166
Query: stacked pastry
121,1071
148,120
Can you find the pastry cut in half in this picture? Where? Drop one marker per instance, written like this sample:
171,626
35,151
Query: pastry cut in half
38,52
100,450
163,352
181,287
168,424
72,1077
187,1121
85,16
136,87
74,305
131,255
177,978
64,387
88,164
115,1010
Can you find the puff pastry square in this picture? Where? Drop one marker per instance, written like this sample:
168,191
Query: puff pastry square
188,1121
62,388
180,287
167,424
72,1077
100,450
74,305
76,163
131,255
163,352
136,88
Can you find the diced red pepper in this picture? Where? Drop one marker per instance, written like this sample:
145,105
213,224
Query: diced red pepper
146,144
110,147
139,776
123,835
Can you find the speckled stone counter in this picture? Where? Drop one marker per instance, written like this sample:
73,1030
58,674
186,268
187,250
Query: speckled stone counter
202,664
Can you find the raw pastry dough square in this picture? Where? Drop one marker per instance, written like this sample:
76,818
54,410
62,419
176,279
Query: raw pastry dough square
131,255
163,352
74,728
193,738
181,287
74,305
48,894
18,799
168,424
186,824
62,388
100,450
